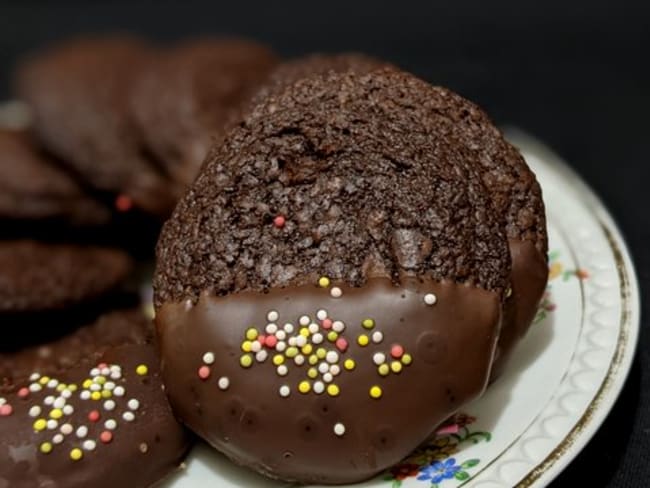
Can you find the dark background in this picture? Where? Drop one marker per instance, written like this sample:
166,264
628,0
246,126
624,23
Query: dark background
574,74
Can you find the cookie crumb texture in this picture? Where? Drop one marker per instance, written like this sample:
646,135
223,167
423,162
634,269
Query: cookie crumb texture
370,177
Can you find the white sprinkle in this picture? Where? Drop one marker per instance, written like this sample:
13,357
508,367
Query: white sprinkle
49,400
208,358
34,387
85,395
95,387
271,328
377,337
128,416
59,402
301,340
82,432
109,405
94,372
319,387
339,429
323,368
327,377
52,424
305,320
280,346
272,316
116,375
52,383
57,439
256,346
313,328
118,391
2,401
317,338
68,410
89,445
292,340
288,328
109,385
282,370
332,357
66,429
280,335
299,360
34,377
35,411
223,383
110,424
261,356
335,369
379,358
338,326
336,292
284,391
105,371
66,393
321,314
133,404
430,299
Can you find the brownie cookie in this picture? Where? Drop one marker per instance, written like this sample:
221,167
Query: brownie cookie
89,412
79,94
35,277
33,187
186,97
337,267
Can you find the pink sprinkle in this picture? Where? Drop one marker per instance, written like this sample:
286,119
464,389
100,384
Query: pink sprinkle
397,351
327,323
341,344
261,339
106,437
204,372
6,410
271,341
23,392
93,416
448,429
279,221
102,365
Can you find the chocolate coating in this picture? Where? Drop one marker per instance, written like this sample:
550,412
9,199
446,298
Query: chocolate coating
293,438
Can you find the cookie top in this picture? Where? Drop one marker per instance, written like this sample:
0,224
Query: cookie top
34,187
186,97
36,276
344,175
78,92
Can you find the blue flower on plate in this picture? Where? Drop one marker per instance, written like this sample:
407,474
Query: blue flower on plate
439,471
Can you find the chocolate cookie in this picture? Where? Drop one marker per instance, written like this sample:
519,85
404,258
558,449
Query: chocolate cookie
186,97
89,412
33,187
78,92
35,276
337,267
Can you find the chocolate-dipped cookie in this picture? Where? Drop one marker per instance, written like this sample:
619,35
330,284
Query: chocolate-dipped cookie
33,187
36,277
90,411
186,97
330,288
79,93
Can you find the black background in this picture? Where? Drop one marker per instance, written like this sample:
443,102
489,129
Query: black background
574,74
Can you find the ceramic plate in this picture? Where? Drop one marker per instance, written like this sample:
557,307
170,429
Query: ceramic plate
561,382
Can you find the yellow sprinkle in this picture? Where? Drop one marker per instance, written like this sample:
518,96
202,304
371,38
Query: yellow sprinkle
333,390
349,364
56,413
60,387
40,424
86,384
313,359
106,394
141,369
312,373
46,447
291,352
363,340
278,359
72,387
368,323
383,369
332,336
321,353
375,392
251,334
95,395
396,366
407,359
304,387
304,331
76,454
323,282
100,380
246,361
44,380
306,349
246,346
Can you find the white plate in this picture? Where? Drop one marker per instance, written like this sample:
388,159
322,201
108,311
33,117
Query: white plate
562,380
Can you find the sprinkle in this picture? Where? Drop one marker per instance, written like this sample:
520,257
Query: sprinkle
272,341
95,372
323,282
278,359
299,360
307,349
377,337
383,369
52,383
368,323
246,346
319,387
375,392
35,411
304,332
34,377
68,410
133,404
95,395
246,361
272,316
327,324
87,383
208,358
284,391
338,326
323,368
57,439
144,448
321,352
333,390
304,387
34,387
23,392
292,341
332,357
288,328
339,429
89,445
251,334
301,341
341,344
279,221
317,338
66,429
106,394
313,359
43,381
407,359
60,387
396,367
260,356
332,336
76,454
396,351
128,416
100,380
123,203
59,402
95,387
282,370
304,321
363,340
328,378
39,425
52,424
271,328
118,391
110,424
46,447
312,373
379,358
349,364
56,413
67,393
106,437
49,400
84,395
94,416
291,352
430,299
256,346
313,328
336,292
223,383
82,432
6,410
321,314
335,369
